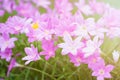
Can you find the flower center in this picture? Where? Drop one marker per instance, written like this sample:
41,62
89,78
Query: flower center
94,60
78,60
35,25
46,32
101,72
7,43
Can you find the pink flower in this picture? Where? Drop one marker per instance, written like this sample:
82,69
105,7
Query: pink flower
111,17
99,32
60,6
70,46
39,31
32,54
98,7
18,24
23,10
8,5
2,12
113,32
6,42
12,64
48,49
94,61
77,59
85,28
4,28
6,54
84,8
64,26
103,72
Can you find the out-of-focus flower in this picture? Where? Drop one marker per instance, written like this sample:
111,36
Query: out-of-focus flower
6,42
6,54
42,3
115,32
32,54
18,24
77,59
116,56
98,7
103,72
12,64
94,61
60,6
8,5
111,18
2,12
85,28
99,32
84,8
91,47
23,10
48,49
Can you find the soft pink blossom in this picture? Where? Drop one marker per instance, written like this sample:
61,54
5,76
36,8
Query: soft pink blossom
70,45
91,46
6,42
48,49
84,8
12,64
6,54
77,59
103,72
32,54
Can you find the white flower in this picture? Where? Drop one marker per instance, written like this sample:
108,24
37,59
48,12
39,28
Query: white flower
116,56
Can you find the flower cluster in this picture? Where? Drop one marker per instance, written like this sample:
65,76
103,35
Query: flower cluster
77,32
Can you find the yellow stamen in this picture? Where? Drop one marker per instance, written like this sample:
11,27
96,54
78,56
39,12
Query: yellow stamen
35,25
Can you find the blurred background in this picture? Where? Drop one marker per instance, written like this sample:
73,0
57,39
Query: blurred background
114,3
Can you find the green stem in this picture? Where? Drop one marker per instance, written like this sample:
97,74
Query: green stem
34,69
44,70
114,48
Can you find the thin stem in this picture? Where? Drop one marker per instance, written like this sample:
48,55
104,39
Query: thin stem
44,70
114,47
34,69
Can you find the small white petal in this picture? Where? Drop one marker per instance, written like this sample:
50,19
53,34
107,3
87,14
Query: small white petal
116,56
